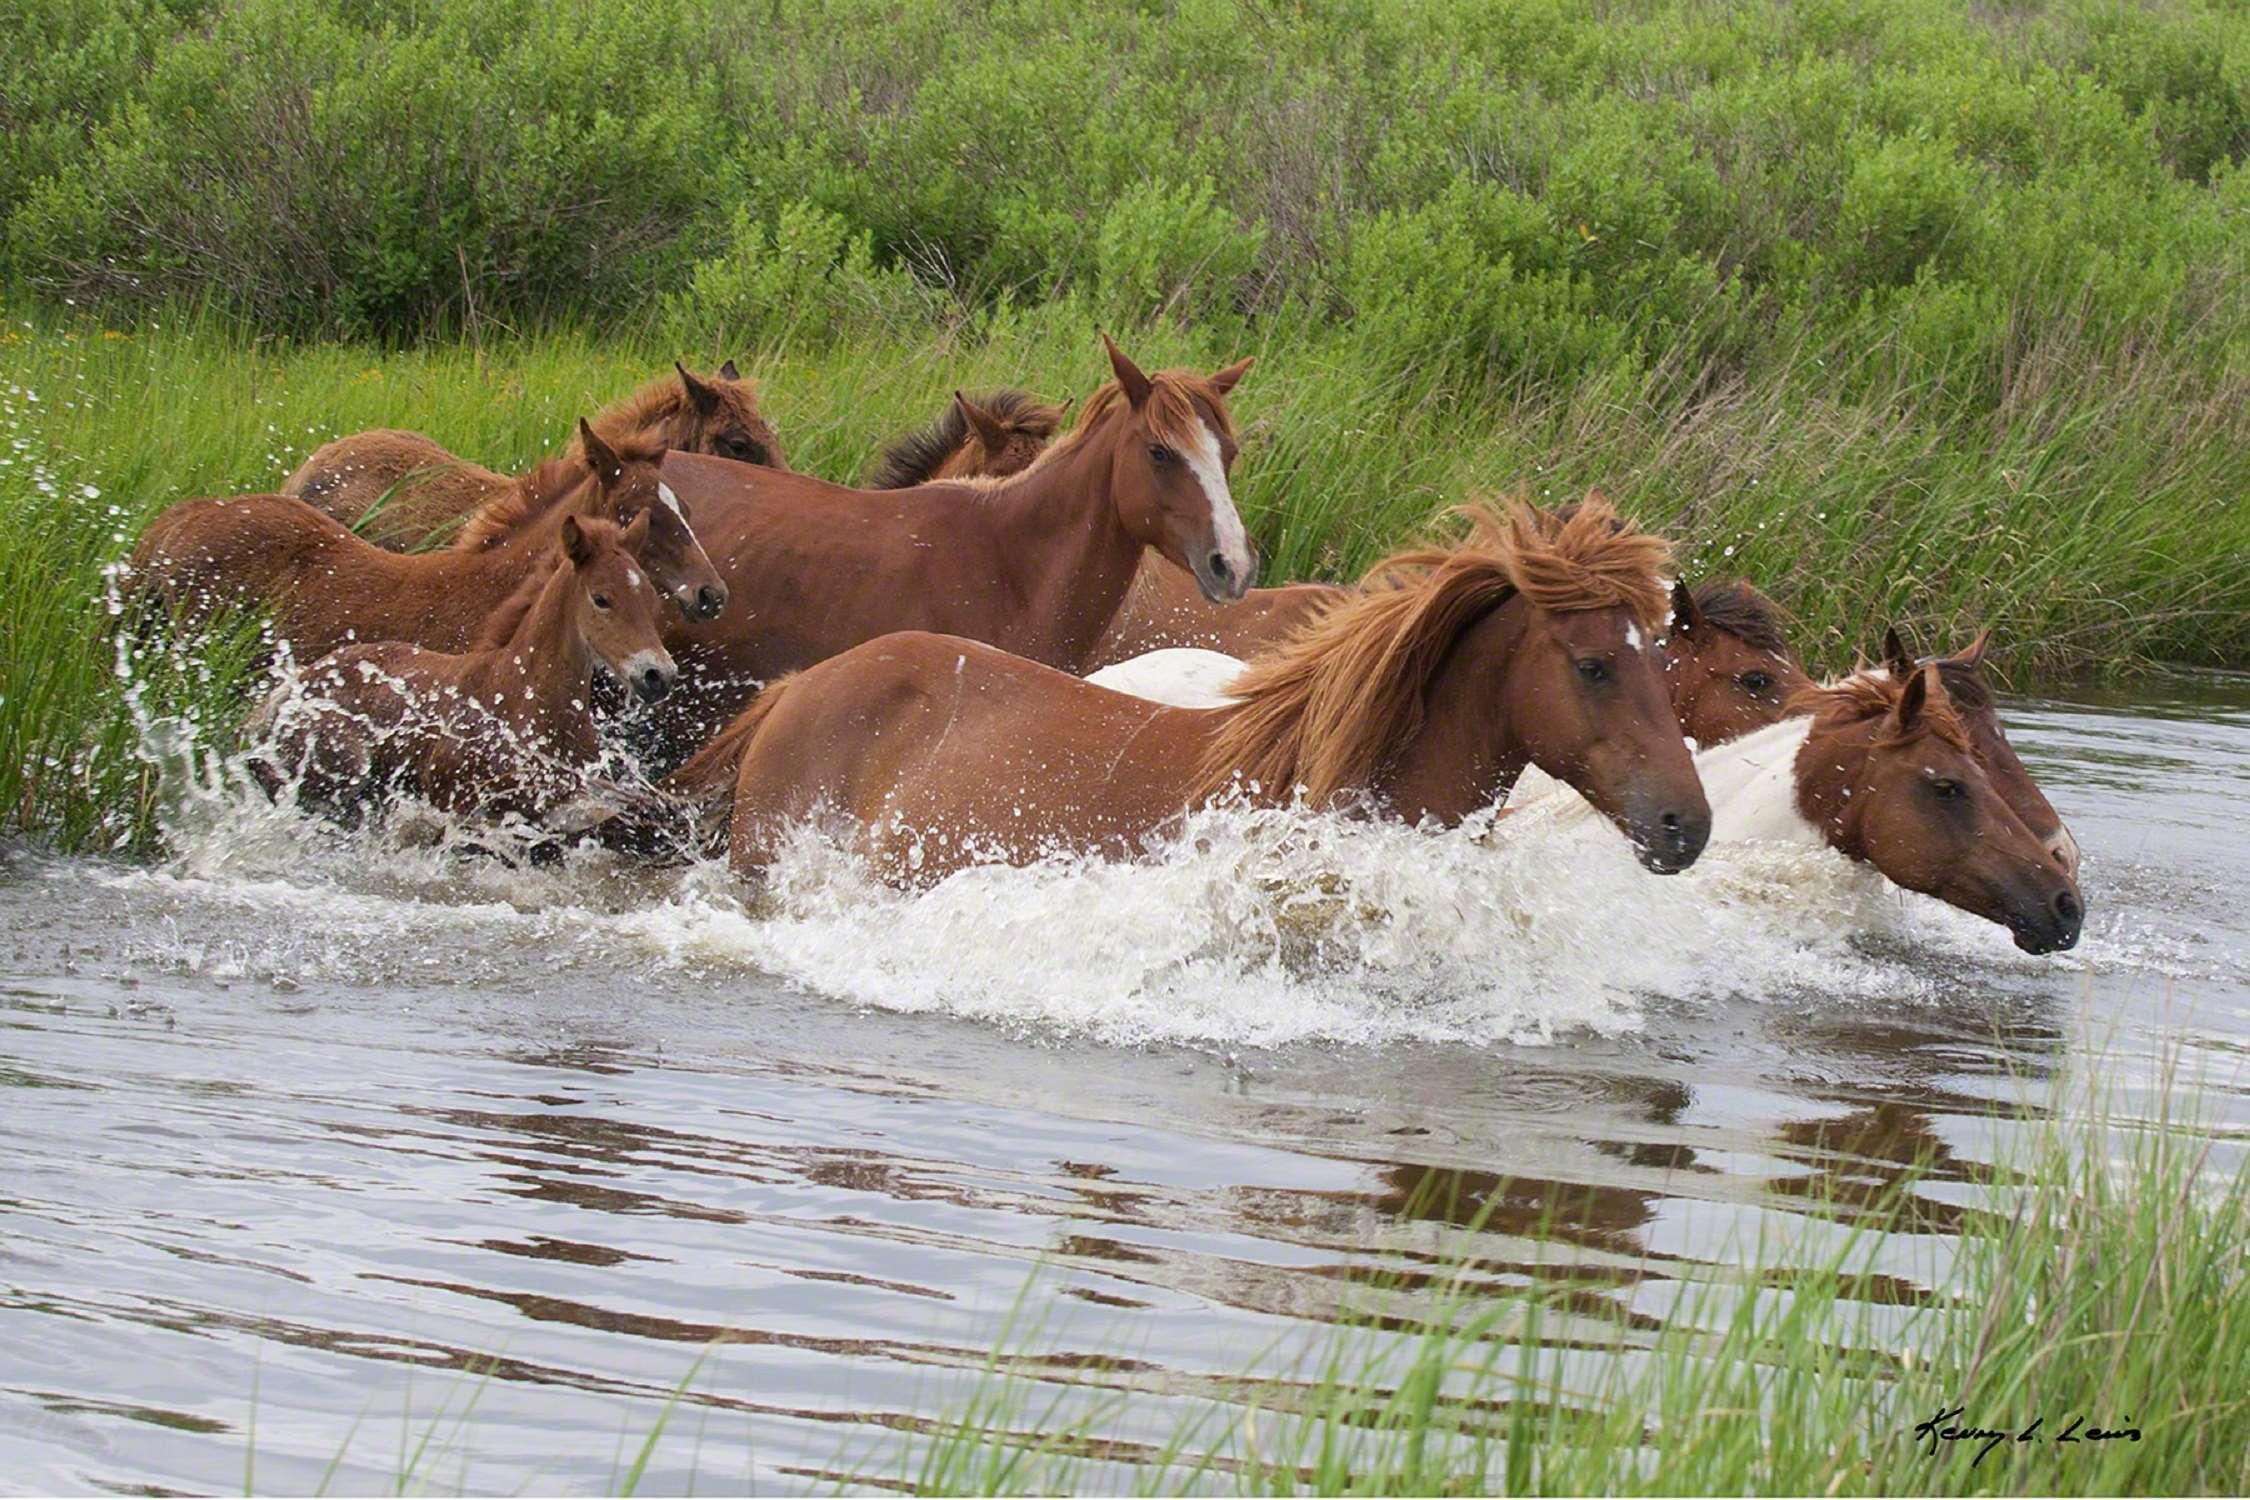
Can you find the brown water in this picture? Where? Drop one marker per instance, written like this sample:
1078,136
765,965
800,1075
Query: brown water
341,1141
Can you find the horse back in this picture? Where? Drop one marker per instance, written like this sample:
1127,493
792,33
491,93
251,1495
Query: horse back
398,489
947,752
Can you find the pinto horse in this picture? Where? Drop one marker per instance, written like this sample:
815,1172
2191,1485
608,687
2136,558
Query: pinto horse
1730,671
326,588
1422,701
1034,564
500,730
402,491
1885,771
996,437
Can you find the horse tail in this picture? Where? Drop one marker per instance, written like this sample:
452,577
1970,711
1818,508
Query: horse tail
706,778
700,793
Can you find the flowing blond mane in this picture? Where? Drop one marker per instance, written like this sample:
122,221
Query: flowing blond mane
1867,697
535,493
1327,709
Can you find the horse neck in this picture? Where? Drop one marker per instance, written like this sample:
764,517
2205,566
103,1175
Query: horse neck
544,672
1064,557
1466,755
1829,770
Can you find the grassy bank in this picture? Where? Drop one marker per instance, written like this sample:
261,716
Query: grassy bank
2099,526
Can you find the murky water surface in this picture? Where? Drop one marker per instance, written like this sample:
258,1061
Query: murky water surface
385,1161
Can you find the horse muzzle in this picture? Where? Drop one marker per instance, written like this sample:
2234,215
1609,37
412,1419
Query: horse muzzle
1222,579
650,676
2050,926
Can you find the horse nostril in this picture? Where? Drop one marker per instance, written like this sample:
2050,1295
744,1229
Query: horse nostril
2068,908
709,601
1218,566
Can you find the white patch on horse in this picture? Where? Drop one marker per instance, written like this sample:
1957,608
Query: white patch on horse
632,578
1226,522
1632,635
664,493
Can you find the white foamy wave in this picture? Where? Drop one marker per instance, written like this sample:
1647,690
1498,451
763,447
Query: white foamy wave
1264,927
1258,927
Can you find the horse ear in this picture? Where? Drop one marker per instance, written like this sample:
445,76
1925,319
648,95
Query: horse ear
706,399
986,426
1228,378
637,532
1920,688
1974,656
577,546
1129,377
727,371
1896,658
1685,616
607,467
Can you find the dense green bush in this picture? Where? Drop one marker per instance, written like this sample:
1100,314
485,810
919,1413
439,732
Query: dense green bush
1540,190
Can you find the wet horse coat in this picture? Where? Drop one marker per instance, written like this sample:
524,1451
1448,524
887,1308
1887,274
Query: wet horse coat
1424,702
1034,564
326,588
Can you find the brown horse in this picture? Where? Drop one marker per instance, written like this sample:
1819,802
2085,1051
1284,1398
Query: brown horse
1000,435
1971,694
503,730
1422,701
401,491
1164,606
326,588
1890,774
1035,564
1729,667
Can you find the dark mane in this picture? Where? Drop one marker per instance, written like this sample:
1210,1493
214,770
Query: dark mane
1742,612
912,459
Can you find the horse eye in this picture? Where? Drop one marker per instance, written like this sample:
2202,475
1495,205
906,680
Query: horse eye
1755,682
1593,670
601,601
1162,454
1946,787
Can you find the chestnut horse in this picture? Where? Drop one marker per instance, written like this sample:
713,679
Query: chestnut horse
1423,702
1000,435
1164,607
326,588
1885,771
503,730
1034,564
1971,694
401,491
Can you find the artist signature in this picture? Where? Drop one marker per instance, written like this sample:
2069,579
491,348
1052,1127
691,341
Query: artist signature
1947,1427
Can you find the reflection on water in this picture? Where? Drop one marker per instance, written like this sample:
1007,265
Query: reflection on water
315,1149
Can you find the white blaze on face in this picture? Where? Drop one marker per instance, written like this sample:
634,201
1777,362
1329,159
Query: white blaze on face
1632,635
1232,541
664,493
632,578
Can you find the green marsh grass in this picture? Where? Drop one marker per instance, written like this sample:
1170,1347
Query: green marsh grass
2093,524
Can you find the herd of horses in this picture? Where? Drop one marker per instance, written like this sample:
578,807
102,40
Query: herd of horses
1029,635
